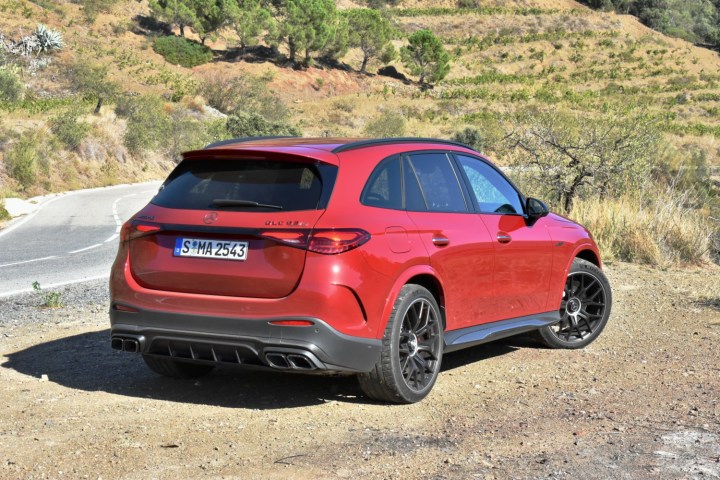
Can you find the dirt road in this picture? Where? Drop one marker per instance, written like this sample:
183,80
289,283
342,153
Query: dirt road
641,402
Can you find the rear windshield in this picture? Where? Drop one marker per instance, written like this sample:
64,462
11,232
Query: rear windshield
258,185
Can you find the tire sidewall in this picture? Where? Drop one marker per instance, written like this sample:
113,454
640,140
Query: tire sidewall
409,294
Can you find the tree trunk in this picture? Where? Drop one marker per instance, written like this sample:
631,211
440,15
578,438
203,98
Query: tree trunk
202,41
422,78
364,64
292,49
182,30
99,105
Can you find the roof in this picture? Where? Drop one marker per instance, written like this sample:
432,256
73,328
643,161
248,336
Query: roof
335,145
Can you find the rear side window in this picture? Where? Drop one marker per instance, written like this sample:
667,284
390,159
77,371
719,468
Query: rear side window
439,184
258,185
383,188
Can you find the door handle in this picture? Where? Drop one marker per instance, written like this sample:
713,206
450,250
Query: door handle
440,241
503,237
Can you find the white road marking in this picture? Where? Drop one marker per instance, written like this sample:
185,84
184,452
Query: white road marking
113,237
85,249
56,285
28,261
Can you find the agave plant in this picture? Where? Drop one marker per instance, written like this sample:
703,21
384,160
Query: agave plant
48,39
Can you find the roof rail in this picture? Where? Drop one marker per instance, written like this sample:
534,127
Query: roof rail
385,141
244,140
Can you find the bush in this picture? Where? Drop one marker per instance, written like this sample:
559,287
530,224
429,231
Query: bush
242,93
244,124
388,124
4,214
68,130
181,51
472,137
148,124
11,87
24,159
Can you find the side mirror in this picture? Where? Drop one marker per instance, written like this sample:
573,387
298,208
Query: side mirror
535,208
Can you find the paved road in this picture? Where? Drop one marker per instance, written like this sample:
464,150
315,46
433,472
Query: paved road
70,239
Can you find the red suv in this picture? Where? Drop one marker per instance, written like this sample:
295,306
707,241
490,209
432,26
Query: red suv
371,257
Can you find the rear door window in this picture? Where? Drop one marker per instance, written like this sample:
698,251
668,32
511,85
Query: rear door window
258,185
438,182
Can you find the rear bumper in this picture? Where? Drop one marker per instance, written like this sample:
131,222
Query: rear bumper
223,340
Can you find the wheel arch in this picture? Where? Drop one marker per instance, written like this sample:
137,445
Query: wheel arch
422,275
588,255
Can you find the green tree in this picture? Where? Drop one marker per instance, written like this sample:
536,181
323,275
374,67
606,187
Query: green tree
370,31
306,26
174,12
425,56
249,18
91,79
210,16
573,155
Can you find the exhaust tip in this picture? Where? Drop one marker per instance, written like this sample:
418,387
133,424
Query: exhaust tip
131,345
116,343
277,360
300,362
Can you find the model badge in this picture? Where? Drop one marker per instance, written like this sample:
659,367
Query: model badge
210,218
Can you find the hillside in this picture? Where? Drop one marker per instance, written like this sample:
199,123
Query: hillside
506,57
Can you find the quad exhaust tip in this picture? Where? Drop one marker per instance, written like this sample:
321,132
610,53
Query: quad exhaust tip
127,344
291,361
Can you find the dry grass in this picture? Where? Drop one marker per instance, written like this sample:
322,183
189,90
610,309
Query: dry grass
651,227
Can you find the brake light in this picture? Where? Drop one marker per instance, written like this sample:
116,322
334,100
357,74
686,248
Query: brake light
332,242
324,241
294,238
134,229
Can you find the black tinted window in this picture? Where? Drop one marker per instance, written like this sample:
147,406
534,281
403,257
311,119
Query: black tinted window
492,192
438,182
205,184
383,188
414,200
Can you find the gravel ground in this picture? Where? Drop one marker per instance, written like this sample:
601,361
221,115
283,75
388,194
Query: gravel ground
641,402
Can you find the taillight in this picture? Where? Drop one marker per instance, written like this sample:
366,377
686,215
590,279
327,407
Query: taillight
332,242
294,238
134,229
324,241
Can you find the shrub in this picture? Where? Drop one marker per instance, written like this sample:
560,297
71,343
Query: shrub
388,124
4,214
68,130
181,51
148,124
250,124
472,137
27,158
11,87
242,93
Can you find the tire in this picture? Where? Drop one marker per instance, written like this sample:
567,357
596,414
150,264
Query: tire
175,369
584,310
411,350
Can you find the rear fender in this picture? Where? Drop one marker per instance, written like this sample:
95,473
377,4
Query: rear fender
401,281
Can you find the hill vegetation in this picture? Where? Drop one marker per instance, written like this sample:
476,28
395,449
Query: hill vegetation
613,123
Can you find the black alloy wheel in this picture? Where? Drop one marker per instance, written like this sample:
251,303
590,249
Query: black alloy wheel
584,309
411,351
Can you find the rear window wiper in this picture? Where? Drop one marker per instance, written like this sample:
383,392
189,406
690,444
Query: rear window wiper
221,202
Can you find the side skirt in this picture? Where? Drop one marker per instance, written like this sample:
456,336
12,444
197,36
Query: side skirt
488,332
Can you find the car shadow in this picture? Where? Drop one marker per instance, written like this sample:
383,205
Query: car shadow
86,362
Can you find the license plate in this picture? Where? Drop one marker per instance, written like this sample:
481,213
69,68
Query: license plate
204,248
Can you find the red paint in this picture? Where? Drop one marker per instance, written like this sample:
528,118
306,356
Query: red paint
346,264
